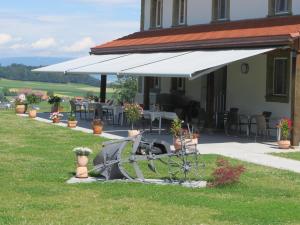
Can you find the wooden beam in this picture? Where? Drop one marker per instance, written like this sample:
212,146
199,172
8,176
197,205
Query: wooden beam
147,83
296,100
103,88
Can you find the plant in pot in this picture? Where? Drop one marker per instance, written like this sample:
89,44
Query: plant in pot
133,113
72,122
97,126
176,131
55,102
55,117
285,126
82,154
33,99
21,104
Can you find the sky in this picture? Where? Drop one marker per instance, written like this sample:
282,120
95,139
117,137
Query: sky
63,28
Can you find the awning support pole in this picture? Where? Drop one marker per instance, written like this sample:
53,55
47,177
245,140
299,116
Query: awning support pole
103,88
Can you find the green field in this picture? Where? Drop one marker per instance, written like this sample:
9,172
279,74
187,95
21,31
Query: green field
37,159
69,89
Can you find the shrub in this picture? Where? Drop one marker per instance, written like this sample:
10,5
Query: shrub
225,173
286,126
133,113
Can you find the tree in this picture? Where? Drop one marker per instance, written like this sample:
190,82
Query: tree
125,89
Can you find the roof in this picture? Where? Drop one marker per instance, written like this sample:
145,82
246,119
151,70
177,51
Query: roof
245,33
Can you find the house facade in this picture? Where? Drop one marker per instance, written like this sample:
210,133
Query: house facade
265,82
221,54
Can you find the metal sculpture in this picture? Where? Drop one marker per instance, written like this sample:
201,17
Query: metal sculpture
112,162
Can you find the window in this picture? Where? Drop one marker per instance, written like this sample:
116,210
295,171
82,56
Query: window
140,85
280,77
179,12
280,7
221,10
156,13
182,12
178,84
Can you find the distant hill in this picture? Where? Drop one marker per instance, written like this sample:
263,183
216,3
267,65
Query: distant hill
32,61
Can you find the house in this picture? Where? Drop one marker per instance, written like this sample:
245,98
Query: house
222,53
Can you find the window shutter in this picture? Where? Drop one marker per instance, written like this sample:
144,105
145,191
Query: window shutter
228,9
153,13
175,12
271,7
142,20
290,6
270,71
214,10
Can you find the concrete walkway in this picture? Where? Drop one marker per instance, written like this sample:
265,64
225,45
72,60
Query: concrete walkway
236,148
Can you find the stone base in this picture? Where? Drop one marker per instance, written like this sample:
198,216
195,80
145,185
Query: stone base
192,184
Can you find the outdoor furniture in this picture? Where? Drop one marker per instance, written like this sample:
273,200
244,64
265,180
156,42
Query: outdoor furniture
75,108
232,119
158,115
261,126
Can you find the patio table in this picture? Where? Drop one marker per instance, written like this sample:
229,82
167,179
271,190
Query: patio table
159,115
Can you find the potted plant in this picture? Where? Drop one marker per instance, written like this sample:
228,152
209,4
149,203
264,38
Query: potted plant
21,105
82,154
55,102
285,126
176,130
133,113
97,126
55,117
33,99
72,122
182,136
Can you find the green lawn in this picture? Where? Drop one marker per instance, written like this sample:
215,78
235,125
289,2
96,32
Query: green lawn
36,161
289,155
69,89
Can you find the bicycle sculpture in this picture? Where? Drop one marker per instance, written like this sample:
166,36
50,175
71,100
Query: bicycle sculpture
116,162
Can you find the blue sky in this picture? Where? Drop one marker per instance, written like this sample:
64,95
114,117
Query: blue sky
63,28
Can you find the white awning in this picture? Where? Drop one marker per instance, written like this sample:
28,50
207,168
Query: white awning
67,66
196,63
116,66
168,64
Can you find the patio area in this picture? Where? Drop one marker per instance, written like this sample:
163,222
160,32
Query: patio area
237,147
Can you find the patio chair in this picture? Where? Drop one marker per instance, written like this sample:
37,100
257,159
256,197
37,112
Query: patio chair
232,119
98,113
75,108
261,127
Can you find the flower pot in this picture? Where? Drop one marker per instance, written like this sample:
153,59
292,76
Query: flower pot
56,120
20,109
97,129
82,171
177,144
32,113
284,144
133,133
72,124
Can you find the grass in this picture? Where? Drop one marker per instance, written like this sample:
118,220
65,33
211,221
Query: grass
69,90
36,161
289,155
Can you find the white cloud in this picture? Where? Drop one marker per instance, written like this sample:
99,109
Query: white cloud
18,46
110,2
82,45
44,43
5,38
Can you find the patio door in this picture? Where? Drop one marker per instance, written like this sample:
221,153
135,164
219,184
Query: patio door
216,98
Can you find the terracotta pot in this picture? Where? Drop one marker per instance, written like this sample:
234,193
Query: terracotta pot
32,113
72,124
97,129
56,120
177,144
284,144
20,109
189,143
82,171
133,133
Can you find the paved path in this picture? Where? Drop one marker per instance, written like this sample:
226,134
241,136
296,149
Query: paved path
258,153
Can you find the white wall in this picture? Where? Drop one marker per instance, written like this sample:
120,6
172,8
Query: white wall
247,91
199,11
193,89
